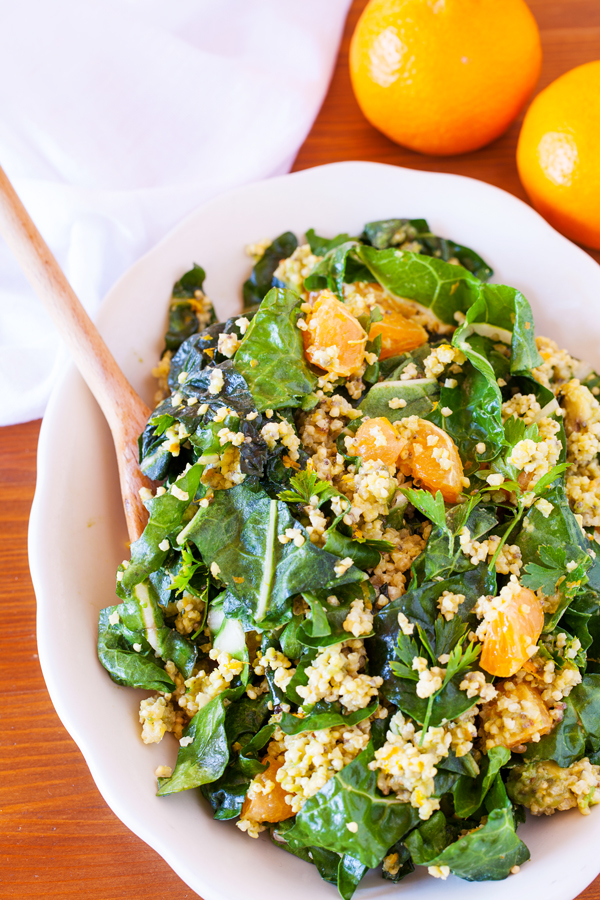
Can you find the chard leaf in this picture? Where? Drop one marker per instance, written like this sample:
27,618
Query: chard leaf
429,839
166,514
271,355
239,533
261,278
336,268
124,665
476,406
205,758
506,308
351,796
487,854
544,543
395,232
226,795
366,553
442,287
141,624
470,793
441,559
327,862
350,873
321,246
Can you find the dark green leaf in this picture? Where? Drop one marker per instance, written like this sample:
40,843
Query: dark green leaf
350,873
239,532
205,758
166,514
271,355
470,793
487,854
578,729
441,286
261,279
123,664
226,795
320,245
351,796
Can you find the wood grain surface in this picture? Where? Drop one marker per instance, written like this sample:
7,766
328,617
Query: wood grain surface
58,839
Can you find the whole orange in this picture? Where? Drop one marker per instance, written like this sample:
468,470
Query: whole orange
558,154
444,76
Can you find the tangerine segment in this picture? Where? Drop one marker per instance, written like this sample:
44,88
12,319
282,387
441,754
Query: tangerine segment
431,457
377,439
335,340
398,334
516,626
272,806
529,715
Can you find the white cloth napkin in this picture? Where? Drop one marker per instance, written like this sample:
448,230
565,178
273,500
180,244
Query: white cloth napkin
118,117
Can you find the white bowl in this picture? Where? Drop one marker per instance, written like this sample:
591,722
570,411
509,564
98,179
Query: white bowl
77,534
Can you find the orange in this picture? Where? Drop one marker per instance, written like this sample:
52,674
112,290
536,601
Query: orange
398,334
444,76
334,340
558,154
517,625
431,457
377,439
270,807
531,718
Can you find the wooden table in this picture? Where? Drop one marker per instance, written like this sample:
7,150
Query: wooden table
58,839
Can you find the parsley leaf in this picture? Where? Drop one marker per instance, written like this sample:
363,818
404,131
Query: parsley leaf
546,480
189,567
307,484
432,507
555,571
460,660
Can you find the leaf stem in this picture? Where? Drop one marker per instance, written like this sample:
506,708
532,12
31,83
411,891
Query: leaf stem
505,536
269,569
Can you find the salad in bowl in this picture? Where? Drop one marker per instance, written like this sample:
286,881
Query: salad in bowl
366,603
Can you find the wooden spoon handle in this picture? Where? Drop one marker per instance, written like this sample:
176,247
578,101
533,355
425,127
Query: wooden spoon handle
125,412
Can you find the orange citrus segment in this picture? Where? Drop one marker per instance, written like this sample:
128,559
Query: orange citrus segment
444,76
431,457
398,334
377,439
558,154
334,340
516,626
272,806
529,717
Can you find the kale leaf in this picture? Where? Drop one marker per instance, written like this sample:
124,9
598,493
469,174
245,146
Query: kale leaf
261,278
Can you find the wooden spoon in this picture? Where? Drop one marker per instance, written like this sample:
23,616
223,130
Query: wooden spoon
125,412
